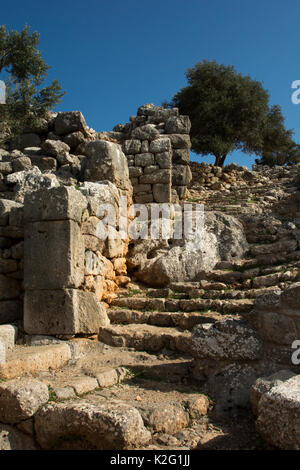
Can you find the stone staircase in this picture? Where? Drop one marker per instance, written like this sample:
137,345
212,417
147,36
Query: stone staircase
162,319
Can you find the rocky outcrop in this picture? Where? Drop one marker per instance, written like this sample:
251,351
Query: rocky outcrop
159,262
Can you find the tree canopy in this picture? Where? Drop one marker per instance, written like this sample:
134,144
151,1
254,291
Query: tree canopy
228,111
23,70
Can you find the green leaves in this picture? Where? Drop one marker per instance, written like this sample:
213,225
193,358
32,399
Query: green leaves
228,111
24,71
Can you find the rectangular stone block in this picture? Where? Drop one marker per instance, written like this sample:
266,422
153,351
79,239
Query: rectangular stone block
160,176
62,203
32,360
53,255
144,159
162,193
62,312
8,335
6,206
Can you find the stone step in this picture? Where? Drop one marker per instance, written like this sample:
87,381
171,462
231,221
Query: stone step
185,321
231,294
145,337
185,305
29,360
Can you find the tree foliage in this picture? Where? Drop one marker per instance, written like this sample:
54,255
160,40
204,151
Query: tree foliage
23,70
228,111
278,145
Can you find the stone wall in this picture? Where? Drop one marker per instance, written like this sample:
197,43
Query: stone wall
11,261
156,143
54,196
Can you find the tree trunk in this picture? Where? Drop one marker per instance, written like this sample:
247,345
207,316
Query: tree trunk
222,160
217,161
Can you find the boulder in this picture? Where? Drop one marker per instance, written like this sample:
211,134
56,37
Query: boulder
178,125
265,384
106,161
230,339
68,122
54,148
88,426
158,262
278,419
21,398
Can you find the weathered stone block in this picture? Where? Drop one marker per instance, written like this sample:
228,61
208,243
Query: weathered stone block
62,312
106,162
164,159
132,146
160,145
62,203
226,340
54,255
181,175
162,192
178,125
68,122
160,176
6,206
144,159
103,426
147,132
180,141
21,398
8,334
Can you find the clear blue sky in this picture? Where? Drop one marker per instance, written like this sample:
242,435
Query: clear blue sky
113,56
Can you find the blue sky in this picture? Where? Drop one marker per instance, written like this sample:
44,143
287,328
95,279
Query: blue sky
113,56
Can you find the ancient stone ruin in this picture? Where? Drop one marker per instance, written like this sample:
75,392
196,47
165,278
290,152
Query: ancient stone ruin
155,343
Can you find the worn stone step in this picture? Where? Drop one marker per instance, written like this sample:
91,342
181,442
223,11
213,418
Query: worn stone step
145,337
283,246
29,360
185,305
183,320
231,294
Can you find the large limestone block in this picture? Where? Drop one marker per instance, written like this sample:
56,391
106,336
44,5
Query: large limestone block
279,415
181,175
68,122
30,360
54,255
61,203
228,339
8,334
62,312
21,398
106,161
178,125
103,426
265,384
6,207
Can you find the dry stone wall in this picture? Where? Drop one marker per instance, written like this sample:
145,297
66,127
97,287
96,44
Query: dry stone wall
156,143
49,204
